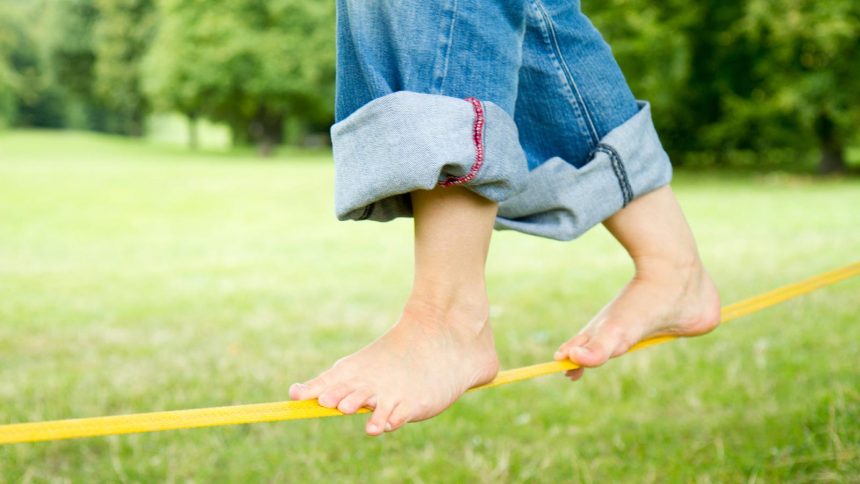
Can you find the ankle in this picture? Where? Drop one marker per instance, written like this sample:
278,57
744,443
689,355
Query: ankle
668,266
466,307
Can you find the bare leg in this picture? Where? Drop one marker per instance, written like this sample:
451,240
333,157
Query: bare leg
442,344
671,293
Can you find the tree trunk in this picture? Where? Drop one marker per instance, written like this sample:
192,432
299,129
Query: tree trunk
267,130
832,149
136,125
239,132
193,131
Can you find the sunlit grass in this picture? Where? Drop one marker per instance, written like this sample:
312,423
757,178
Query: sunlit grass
137,278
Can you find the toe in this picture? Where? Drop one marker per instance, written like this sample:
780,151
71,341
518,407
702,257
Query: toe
563,350
576,374
378,421
593,352
332,395
308,390
355,400
399,416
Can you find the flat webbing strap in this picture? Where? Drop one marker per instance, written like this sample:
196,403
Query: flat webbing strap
295,410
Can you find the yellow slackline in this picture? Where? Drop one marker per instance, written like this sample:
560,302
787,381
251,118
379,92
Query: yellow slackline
277,411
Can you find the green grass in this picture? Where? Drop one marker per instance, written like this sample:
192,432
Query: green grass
137,278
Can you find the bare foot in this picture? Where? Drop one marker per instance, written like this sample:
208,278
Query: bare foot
415,370
671,293
442,345
660,300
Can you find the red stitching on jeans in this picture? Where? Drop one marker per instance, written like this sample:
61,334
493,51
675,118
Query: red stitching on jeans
477,137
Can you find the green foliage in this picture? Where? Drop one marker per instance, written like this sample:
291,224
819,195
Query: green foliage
741,74
121,37
71,46
95,48
99,64
813,55
247,63
810,71
71,50
27,95
9,79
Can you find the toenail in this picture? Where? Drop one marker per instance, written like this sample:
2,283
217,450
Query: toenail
581,350
388,427
373,428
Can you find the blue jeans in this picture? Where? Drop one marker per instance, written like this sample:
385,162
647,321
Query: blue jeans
519,101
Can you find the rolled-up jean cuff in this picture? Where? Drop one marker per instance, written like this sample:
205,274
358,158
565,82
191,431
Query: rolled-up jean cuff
406,141
562,201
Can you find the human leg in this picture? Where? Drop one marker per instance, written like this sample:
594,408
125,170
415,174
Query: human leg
671,293
595,152
442,344
425,99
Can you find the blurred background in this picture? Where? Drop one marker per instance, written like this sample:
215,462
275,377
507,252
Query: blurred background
168,241
765,83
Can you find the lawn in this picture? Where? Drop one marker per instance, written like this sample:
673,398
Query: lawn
138,278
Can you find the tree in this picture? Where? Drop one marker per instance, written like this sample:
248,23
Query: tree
28,96
123,30
809,73
247,63
679,55
729,75
173,81
9,79
94,49
71,57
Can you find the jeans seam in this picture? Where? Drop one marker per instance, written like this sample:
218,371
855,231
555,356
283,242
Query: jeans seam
619,169
440,70
478,140
571,83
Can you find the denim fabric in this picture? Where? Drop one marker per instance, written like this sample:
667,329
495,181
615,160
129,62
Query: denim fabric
520,101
